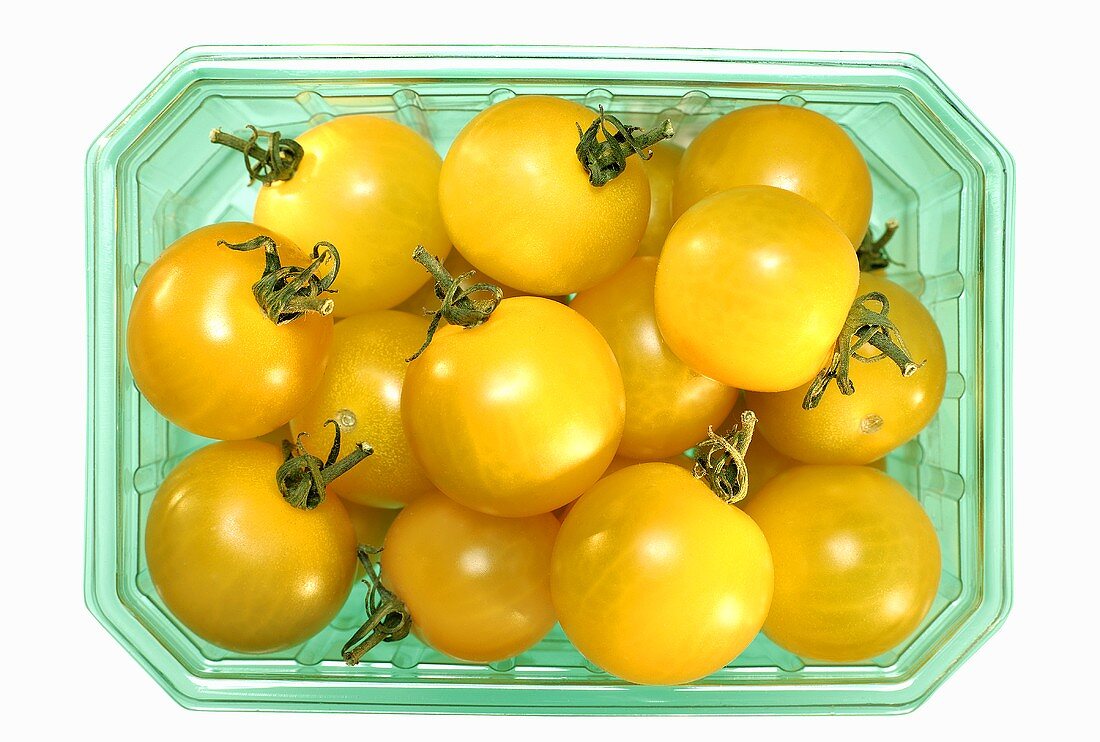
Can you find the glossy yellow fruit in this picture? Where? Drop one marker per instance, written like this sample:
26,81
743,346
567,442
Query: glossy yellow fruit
886,410
519,415
782,146
857,561
661,169
518,205
753,287
668,405
658,581
237,564
477,586
202,351
361,390
369,186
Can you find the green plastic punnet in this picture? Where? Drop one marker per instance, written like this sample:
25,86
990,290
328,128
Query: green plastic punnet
153,176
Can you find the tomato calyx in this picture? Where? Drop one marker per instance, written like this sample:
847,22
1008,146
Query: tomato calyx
302,477
872,254
604,160
457,304
720,459
864,326
286,292
388,619
277,161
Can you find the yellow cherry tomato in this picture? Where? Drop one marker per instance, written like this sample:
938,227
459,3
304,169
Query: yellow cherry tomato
236,563
518,204
661,169
205,354
361,390
668,405
658,581
857,561
476,586
456,265
753,287
621,462
886,409
369,186
518,415
782,146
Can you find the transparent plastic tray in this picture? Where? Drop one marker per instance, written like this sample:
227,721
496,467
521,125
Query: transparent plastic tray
152,176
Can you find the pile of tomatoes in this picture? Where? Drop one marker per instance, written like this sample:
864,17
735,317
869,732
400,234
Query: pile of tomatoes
530,383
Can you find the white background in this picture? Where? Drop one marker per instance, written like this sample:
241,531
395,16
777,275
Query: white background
1031,78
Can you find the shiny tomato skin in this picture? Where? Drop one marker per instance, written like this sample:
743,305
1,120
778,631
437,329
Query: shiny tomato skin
886,410
361,390
477,586
782,146
519,415
753,287
518,204
369,186
202,351
668,405
237,564
661,169
857,561
656,580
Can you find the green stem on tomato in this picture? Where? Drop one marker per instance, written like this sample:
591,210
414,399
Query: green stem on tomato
286,292
605,159
277,161
457,304
302,478
388,619
864,326
720,459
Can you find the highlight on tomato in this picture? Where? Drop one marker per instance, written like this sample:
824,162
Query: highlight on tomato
857,561
657,580
229,332
470,585
669,407
785,147
528,204
361,389
517,407
885,409
753,287
364,182
244,548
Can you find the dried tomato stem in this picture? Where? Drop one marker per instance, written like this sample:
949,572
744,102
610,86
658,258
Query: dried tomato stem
872,253
720,460
277,161
604,160
457,306
302,477
285,293
388,619
864,326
